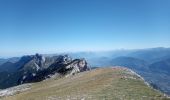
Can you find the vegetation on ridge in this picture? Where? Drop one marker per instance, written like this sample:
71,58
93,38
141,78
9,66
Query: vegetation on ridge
103,83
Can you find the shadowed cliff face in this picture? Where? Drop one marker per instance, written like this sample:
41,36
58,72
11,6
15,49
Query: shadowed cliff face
36,68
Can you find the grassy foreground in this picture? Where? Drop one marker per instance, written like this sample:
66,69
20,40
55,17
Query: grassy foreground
98,84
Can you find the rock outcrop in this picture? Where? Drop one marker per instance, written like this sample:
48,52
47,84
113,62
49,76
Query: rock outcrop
37,67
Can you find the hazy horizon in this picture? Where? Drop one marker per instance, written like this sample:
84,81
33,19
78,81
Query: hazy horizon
43,26
69,52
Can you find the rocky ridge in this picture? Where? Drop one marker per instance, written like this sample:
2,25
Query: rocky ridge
35,68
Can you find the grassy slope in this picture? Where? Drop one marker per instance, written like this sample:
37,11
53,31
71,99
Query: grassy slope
98,84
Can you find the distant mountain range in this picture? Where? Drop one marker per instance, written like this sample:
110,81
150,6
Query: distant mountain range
12,60
153,64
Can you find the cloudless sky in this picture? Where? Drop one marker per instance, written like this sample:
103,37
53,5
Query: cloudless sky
51,26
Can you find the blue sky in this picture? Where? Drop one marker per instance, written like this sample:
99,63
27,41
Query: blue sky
51,26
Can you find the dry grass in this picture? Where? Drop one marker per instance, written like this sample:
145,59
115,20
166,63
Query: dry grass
98,84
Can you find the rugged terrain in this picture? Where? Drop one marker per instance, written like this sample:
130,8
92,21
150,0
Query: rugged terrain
98,84
36,68
152,64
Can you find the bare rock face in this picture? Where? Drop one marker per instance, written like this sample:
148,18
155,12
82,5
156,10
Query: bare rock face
76,66
40,68
35,68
